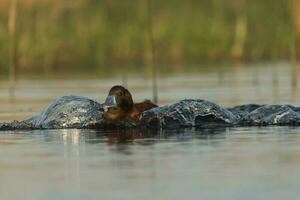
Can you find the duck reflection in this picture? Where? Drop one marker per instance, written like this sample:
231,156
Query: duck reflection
134,135
137,136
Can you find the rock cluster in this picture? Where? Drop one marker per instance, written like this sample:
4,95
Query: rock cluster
81,112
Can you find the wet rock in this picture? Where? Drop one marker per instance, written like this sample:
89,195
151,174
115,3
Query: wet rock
66,112
263,115
81,112
242,113
187,113
16,125
274,115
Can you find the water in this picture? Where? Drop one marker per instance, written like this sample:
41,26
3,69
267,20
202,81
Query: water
234,163
231,163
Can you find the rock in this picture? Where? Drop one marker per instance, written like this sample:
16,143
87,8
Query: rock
262,115
81,112
187,113
242,113
66,112
15,125
274,115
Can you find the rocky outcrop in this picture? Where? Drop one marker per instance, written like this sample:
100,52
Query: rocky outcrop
188,113
66,112
81,112
264,115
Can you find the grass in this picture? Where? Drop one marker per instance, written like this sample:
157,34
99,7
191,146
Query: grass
64,35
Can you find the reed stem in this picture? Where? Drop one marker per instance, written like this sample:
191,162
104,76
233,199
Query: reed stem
153,56
12,18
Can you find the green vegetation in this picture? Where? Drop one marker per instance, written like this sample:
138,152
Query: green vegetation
53,35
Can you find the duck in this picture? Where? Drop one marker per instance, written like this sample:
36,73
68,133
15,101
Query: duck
119,106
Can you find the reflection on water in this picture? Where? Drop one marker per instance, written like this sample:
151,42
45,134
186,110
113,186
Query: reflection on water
229,163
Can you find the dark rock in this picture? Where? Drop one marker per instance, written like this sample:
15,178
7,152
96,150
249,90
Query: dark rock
274,115
81,112
187,113
66,112
262,115
242,113
16,125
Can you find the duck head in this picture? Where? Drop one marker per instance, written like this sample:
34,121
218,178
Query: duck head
118,102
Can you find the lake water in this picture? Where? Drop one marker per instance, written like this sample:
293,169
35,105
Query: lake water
230,163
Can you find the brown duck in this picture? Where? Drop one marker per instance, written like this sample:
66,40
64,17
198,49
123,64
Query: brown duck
119,105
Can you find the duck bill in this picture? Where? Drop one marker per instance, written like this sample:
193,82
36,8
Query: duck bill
110,102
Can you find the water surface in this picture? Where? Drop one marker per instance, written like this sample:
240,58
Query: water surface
231,163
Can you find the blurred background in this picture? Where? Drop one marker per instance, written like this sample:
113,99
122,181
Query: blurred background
230,51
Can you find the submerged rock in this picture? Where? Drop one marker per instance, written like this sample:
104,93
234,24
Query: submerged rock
16,125
263,115
274,115
66,112
187,113
81,112
242,113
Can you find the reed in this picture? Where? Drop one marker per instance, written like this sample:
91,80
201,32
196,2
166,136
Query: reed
295,41
12,47
55,36
152,47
